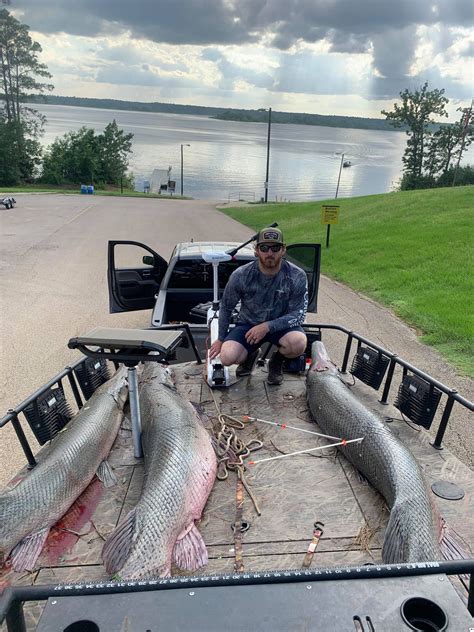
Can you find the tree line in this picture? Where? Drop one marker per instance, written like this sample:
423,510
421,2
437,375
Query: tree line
134,106
78,157
298,118
223,114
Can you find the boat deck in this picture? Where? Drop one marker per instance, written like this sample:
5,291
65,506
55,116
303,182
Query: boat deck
293,492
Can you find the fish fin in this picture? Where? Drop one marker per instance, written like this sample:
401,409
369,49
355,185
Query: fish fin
190,553
26,552
106,474
117,547
320,358
361,478
393,544
203,417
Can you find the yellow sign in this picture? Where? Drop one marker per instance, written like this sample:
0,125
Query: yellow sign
330,215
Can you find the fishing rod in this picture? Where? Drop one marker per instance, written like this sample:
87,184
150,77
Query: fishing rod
234,251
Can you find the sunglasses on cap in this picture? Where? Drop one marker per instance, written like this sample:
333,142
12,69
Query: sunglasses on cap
267,247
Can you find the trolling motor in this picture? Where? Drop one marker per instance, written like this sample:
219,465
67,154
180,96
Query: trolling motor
217,373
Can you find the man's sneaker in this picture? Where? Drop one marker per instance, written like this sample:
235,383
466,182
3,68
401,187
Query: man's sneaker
247,365
275,369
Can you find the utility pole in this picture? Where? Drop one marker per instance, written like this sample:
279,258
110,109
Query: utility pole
268,152
339,179
185,145
467,118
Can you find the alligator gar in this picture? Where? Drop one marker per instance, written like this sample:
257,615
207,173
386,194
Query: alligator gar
180,469
75,455
412,533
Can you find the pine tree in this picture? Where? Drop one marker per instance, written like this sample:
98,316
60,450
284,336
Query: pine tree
20,77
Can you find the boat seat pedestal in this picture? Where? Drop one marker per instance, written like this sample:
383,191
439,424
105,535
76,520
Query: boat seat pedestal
129,347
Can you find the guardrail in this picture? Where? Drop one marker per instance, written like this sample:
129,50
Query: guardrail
242,196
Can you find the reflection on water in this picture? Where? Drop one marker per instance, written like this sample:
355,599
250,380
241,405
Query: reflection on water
228,158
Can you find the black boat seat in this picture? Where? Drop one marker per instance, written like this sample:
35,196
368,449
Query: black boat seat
128,346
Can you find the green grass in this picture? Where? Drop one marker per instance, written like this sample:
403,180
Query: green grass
409,250
40,188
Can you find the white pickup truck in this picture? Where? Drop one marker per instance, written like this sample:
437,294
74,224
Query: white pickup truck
180,289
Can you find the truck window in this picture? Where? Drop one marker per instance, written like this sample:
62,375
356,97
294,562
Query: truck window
197,274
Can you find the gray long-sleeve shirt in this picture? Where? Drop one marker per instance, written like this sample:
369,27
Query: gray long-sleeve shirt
280,300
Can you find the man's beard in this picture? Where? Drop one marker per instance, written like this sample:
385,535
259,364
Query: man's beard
269,264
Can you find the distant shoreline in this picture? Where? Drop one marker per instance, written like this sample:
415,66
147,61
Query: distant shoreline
222,114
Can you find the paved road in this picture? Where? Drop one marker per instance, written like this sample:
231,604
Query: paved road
53,286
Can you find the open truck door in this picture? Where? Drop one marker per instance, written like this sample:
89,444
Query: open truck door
308,258
134,275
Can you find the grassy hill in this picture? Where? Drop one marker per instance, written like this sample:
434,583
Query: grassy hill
410,250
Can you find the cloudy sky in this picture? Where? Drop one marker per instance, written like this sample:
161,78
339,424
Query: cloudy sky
321,56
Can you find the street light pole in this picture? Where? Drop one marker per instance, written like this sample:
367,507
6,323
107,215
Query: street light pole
339,179
185,145
268,152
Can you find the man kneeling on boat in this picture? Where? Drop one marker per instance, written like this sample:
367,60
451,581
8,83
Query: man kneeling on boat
274,297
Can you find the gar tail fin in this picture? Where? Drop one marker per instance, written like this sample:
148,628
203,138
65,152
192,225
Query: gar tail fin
106,474
190,552
26,552
117,548
406,541
393,544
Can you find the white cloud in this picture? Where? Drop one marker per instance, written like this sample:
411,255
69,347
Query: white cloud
307,55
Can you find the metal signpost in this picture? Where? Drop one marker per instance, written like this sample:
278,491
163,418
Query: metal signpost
329,215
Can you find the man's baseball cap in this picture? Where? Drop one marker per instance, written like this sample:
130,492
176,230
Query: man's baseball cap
270,236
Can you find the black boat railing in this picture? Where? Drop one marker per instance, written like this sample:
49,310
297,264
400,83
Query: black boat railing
13,413
70,372
452,394
14,597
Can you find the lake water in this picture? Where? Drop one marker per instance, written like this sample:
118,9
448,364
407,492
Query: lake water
227,159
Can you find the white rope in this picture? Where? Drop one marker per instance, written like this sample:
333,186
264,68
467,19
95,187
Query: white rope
321,447
284,426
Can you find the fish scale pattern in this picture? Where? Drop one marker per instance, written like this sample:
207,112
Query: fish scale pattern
47,492
180,469
413,528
